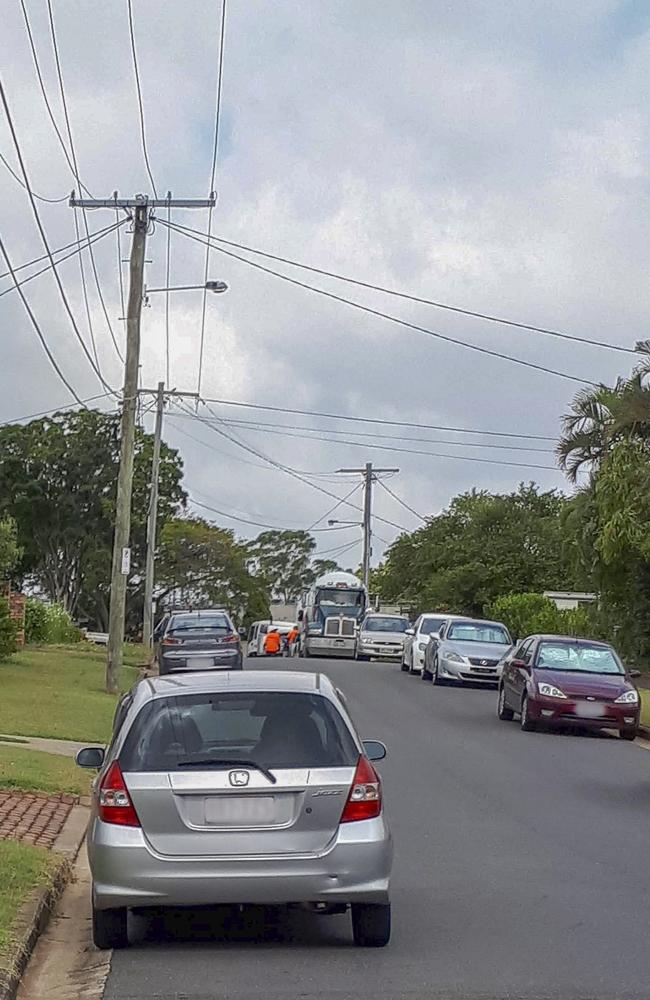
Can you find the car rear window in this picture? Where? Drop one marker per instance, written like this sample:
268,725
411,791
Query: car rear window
273,729
192,623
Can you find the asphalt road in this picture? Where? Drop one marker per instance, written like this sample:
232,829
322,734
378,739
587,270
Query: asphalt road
521,871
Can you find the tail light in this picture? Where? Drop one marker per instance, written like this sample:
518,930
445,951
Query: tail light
115,804
364,800
168,641
233,637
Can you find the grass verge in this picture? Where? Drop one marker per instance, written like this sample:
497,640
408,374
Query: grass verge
58,692
35,771
23,868
645,707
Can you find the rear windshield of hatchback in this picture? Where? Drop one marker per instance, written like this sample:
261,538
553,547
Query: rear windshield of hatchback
191,623
269,729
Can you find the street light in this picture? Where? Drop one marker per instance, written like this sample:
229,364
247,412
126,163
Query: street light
355,524
210,286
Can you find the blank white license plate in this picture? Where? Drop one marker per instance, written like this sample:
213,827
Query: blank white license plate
340,642
200,661
589,709
239,810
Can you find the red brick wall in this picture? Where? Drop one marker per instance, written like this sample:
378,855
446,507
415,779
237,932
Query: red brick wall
16,610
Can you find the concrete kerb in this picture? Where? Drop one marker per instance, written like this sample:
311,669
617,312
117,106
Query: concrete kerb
35,913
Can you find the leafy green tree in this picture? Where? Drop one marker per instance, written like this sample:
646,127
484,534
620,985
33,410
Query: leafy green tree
9,548
484,545
534,614
283,560
58,480
321,566
200,564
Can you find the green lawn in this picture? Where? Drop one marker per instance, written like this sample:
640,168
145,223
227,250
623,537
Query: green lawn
58,691
645,707
22,868
33,770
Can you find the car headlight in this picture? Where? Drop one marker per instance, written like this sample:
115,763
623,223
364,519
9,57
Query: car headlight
628,698
454,658
422,645
550,691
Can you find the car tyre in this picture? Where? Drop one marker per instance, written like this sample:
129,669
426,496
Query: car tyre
437,679
527,724
405,665
110,928
361,657
505,714
426,675
628,734
371,924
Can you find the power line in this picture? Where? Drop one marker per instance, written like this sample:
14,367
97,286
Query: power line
34,322
46,245
48,106
376,420
140,105
339,550
119,263
40,197
75,163
79,248
407,451
53,409
256,524
168,252
399,500
284,468
213,171
388,316
258,424
84,290
327,513
427,302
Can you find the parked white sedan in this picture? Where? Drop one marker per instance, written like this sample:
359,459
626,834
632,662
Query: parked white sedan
417,638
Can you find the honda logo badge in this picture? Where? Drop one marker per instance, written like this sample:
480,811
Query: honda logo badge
239,778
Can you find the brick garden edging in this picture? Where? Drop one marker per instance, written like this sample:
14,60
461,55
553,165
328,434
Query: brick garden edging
34,817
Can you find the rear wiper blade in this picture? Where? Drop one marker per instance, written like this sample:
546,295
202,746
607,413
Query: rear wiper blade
221,762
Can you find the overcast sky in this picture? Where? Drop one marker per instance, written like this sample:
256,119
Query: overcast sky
492,156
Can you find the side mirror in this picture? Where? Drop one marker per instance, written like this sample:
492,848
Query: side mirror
242,633
92,757
301,615
634,673
519,664
410,631
374,749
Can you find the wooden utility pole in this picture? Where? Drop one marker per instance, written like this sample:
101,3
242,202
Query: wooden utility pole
140,206
147,617
150,563
369,473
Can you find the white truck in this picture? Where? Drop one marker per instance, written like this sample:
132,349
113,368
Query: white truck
329,614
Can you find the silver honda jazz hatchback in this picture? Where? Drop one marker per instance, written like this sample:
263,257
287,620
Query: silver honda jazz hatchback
249,788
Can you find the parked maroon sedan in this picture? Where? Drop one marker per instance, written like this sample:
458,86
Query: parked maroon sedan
554,680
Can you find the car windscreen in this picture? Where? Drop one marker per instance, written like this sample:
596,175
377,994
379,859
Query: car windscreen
578,658
478,632
194,623
339,597
271,729
385,625
430,625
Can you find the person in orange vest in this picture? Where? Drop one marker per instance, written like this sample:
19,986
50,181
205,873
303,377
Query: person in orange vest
292,639
272,643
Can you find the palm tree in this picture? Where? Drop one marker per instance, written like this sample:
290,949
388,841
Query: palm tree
600,416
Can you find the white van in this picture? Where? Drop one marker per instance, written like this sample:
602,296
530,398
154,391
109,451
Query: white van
258,632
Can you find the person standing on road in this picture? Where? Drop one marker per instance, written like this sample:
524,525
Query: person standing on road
272,643
292,638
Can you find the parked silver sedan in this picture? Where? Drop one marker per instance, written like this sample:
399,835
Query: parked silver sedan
467,649
251,787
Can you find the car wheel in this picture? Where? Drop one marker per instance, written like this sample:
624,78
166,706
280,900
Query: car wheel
252,655
405,665
412,669
437,679
527,724
361,657
627,734
371,924
426,675
505,714
110,928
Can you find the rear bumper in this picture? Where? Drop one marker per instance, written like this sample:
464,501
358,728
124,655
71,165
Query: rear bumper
127,872
565,712
221,660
